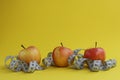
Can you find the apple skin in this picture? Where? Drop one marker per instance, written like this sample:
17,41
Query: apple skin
60,56
95,54
30,54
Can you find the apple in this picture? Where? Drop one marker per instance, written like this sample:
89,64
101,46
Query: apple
96,53
60,55
29,54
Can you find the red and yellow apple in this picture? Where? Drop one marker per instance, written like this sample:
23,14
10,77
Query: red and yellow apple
29,54
60,56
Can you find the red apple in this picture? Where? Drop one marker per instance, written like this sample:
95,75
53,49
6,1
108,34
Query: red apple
29,54
95,53
60,56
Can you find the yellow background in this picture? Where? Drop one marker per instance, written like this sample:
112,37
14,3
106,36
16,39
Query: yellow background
46,23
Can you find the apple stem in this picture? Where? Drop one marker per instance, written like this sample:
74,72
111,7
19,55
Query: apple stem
95,44
61,44
23,46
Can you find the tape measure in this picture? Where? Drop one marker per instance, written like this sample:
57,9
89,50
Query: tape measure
17,65
94,65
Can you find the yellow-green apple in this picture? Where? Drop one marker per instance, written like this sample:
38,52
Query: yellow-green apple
60,56
96,53
28,54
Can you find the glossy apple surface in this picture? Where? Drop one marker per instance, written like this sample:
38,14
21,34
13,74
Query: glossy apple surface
60,56
95,54
30,54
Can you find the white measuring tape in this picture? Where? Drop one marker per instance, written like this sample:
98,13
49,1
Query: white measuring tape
48,61
17,65
94,65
